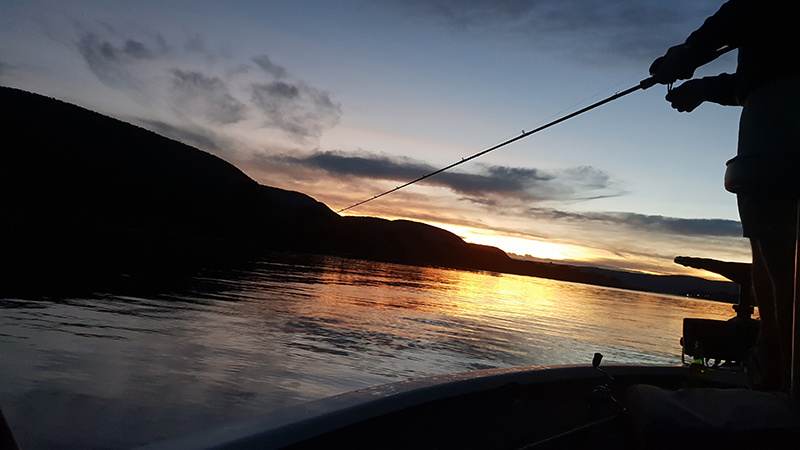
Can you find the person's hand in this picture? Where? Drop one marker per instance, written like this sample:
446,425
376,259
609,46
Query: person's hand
678,64
688,96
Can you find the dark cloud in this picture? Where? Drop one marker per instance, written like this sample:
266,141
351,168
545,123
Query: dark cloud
271,95
110,57
363,166
202,139
196,44
137,50
292,105
646,223
296,108
207,85
4,68
590,30
270,67
209,95
688,227
488,185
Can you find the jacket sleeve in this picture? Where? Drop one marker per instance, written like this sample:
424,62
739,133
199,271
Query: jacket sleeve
728,26
722,89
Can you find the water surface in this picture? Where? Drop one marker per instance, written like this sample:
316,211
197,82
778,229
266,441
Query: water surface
113,371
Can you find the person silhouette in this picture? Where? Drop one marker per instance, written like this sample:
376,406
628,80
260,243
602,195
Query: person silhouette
766,84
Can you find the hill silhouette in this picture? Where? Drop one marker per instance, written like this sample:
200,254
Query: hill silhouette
92,202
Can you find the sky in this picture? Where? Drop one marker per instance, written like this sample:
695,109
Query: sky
343,100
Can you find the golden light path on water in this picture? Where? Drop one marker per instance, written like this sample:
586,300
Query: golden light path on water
532,313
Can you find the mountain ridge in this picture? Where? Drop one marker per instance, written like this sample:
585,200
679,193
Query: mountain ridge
92,199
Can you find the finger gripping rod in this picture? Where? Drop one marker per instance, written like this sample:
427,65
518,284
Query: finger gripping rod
650,82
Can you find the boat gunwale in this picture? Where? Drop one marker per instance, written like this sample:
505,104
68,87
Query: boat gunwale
292,425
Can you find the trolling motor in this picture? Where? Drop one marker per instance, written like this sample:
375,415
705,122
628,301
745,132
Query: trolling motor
719,340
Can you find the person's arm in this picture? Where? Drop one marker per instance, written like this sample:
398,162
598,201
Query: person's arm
719,89
728,26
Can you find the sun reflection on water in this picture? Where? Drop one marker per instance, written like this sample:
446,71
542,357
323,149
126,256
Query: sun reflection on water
287,331
531,320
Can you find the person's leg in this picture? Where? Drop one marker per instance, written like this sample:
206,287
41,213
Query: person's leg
773,282
768,344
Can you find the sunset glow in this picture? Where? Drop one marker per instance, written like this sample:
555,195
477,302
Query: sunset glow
519,246
344,100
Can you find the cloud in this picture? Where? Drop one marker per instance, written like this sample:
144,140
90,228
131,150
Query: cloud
270,67
114,59
646,223
592,31
295,108
204,87
209,95
363,165
526,203
488,185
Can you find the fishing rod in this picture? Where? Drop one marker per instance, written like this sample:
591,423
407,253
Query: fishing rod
644,84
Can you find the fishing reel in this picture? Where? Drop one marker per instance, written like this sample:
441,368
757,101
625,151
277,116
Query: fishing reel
601,399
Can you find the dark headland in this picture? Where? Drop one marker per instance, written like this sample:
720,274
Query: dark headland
90,201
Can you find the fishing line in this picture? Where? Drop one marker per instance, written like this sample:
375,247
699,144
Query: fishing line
576,104
644,84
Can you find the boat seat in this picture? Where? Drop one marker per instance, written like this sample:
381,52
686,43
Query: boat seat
710,418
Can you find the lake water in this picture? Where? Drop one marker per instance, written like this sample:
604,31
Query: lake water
117,371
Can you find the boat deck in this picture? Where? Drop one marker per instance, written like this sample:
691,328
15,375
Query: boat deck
489,409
